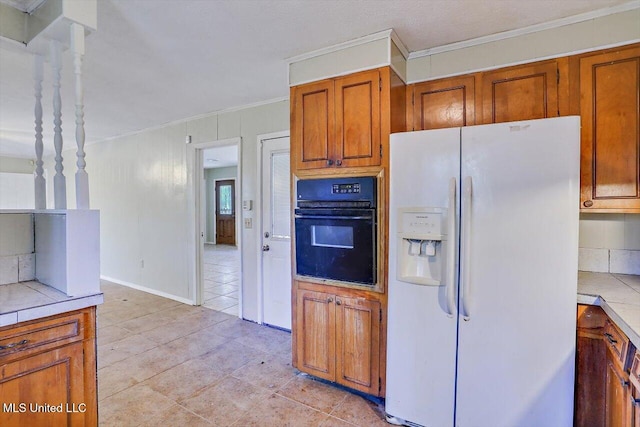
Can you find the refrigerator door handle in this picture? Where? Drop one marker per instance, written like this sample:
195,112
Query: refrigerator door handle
467,190
451,248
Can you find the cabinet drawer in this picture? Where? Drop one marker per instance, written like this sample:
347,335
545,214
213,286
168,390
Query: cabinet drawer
40,335
634,375
617,343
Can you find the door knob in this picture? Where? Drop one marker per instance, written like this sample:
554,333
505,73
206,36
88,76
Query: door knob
265,248
266,234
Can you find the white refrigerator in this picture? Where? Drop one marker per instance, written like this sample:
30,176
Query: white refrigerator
483,259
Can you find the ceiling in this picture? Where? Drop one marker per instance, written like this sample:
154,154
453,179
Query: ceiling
155,62
220,157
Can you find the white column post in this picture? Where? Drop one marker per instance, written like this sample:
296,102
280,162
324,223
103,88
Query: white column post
82,178
39,182
59,182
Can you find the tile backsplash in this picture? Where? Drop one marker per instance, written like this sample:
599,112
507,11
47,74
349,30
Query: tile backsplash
610,243
17,268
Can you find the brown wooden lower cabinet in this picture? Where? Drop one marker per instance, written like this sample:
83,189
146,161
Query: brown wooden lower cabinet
48,371
604,395
617,404
337,338
591,359
634,379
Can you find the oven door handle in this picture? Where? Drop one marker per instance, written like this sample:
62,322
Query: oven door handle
338,217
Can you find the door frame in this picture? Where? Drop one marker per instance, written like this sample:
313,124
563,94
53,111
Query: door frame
196,201
215,205
258,208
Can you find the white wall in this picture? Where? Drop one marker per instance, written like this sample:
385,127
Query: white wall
140,184
16,183
210,176
16,165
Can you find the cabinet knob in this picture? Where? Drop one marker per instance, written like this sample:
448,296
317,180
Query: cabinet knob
329,162
338,162
330,300
338,302
588,203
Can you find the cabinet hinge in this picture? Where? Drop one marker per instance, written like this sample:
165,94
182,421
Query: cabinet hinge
413,99
379,385
380,84
380,150
558,76
381,315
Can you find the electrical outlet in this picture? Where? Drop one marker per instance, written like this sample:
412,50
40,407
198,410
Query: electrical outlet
248,223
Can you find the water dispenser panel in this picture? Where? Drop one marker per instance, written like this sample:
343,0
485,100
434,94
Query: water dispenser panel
421,244
422,224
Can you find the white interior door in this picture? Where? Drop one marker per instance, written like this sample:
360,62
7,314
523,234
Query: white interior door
276,233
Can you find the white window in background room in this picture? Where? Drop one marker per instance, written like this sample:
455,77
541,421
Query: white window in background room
225,200
17,191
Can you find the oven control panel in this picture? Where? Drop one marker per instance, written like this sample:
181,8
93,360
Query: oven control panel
345,188
357,188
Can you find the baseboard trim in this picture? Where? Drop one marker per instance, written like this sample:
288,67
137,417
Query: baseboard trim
148,290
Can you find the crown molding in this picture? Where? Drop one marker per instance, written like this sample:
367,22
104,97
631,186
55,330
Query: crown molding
401,46
341,46
635,4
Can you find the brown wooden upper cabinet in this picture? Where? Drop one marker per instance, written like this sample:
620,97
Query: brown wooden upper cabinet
336,122
609,99
442,103
520,93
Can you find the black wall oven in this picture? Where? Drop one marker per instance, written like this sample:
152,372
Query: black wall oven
335,226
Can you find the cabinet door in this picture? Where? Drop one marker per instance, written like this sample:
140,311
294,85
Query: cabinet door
313,124
358,344
590,381
444,103
617,396
520,93
53,378
358,119
609,99
315,339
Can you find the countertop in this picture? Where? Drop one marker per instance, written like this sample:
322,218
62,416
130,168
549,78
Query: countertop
618,295
24,301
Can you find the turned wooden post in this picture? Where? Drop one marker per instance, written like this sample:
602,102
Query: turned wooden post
59,182
82,178
39,184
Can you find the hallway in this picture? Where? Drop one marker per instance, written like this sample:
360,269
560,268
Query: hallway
221,278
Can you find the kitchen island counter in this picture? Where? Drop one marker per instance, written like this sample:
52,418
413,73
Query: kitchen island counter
32,300
619,297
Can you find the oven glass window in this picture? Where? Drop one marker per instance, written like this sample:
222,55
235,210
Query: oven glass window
332,236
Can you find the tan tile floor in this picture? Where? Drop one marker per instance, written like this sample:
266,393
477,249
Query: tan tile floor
221,278
163,363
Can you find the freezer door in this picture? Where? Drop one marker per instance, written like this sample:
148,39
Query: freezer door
421,337
519,261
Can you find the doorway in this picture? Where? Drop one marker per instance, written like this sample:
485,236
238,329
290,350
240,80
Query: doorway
216,183
275,230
